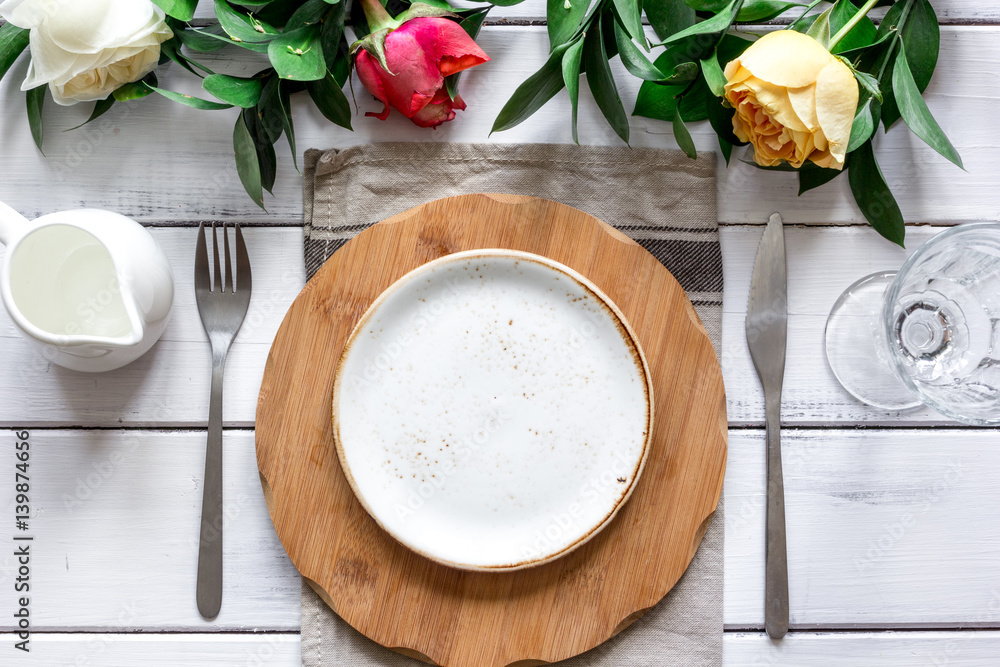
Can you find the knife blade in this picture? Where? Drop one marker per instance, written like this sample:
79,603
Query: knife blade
766,330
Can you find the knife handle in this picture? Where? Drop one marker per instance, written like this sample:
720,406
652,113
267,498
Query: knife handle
776,559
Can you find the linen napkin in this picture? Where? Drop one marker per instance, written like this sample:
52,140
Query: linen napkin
663,200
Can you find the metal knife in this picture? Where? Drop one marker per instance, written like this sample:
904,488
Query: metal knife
766,323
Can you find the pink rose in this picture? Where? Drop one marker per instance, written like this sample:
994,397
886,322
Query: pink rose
420,53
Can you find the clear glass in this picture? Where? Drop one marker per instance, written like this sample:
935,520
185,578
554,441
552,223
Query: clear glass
928,334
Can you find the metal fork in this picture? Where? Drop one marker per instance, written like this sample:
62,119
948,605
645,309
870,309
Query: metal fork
222,308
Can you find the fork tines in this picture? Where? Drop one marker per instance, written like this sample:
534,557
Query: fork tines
216,280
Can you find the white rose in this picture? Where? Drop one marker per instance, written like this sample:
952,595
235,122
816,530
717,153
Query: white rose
85,49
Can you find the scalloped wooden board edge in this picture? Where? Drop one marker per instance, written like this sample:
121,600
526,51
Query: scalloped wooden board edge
469,619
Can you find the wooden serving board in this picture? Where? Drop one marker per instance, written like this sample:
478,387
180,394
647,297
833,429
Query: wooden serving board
474,619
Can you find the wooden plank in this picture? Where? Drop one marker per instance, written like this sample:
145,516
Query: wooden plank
856,649
169,386
885,528
160,161
805,649
129,650
115,518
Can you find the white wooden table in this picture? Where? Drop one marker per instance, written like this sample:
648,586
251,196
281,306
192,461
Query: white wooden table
893,540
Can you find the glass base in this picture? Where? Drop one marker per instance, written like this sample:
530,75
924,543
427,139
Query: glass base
856,348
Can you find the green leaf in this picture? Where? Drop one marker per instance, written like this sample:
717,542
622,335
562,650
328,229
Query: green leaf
13,42
531,95
101,107
864,125
915,112
329,98
683,137
182,10
730,47
204,40
633,59
820,29
571,77
563,18
868,49
269,108
256,47
285,102
921,37
267,161
754,11
35,98
706,5
471,25
660,101
601,82
862,34
331,34
683,73
247,165
668,16
714,76
171,48
309,13
241,26
132,91
868,83
716,25
234,90
810,179
298,55
630,15
188,100
873,196
374,44
721,118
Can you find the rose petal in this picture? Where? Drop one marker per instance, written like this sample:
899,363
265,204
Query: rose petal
825,159
88,27
23,13
435,113
774,100
836,103
370,75
446,43
415,76
786,58
804,105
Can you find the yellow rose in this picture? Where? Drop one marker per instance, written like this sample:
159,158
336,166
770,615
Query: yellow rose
794,101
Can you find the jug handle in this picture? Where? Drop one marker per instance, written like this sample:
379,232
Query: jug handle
12,224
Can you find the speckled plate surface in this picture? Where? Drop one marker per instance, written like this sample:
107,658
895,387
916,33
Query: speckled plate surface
492,410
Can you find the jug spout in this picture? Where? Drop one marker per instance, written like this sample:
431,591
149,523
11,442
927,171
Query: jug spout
12,224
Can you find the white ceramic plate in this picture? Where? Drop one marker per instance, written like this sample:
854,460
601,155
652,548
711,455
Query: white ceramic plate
492,410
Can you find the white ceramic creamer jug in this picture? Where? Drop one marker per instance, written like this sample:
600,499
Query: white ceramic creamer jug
92,289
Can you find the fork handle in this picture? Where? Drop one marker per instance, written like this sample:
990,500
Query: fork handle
776,557
210,545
